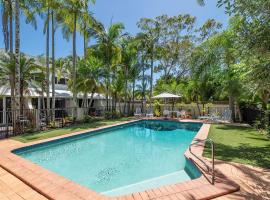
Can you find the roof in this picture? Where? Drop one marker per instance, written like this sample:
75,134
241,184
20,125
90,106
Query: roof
32,92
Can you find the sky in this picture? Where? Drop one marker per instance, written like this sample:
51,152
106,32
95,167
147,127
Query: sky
126,11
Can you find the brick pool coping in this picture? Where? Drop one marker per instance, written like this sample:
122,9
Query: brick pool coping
54,186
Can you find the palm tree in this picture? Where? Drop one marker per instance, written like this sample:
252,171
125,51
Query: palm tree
31,74
109,50
72,12
129,57
7,26
17,56
134,73
201,2
90,73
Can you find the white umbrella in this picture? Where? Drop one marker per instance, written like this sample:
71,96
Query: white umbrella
166,95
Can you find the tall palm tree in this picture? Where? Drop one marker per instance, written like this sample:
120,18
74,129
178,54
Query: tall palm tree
17,56
201,2
129,57
109,50
90,73
31,74
6,14
72,11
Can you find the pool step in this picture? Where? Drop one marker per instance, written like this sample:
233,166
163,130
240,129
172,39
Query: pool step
172,178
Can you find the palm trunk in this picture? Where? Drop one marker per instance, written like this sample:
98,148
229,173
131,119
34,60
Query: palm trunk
84,104
74,66
133,95
232,107
21,93
17,54
143,86
12,91
11,29
126,83
151,81
92,96
84,43
47,61
53,66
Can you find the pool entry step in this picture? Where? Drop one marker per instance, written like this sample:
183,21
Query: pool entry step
172,178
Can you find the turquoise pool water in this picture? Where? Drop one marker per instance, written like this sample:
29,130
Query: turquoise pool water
122,159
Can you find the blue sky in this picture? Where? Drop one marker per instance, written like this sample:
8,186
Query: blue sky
126,11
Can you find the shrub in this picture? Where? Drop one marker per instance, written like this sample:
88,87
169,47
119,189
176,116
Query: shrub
112,115
88,119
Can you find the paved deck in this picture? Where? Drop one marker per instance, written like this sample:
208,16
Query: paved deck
254,181
53,186
11,188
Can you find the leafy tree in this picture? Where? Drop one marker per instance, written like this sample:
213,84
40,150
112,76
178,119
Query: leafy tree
108,49
90,74
31,74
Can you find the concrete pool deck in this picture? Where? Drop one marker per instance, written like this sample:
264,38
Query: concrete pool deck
54,186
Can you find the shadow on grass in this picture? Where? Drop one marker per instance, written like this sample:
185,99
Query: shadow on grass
244,153
28,137
234,128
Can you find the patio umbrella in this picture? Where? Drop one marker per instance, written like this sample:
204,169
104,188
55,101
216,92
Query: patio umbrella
166,95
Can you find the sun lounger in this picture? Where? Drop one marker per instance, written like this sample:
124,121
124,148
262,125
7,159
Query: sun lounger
149,113
138,112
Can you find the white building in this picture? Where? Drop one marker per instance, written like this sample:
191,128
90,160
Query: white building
34,100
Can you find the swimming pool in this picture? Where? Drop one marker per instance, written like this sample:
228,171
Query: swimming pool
122,159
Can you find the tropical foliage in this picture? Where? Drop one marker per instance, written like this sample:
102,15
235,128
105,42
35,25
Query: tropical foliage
203,63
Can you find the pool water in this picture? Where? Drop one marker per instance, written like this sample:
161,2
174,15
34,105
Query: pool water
122,159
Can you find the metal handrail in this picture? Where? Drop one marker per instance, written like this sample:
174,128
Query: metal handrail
213,155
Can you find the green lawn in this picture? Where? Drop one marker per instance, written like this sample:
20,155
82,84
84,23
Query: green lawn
240,144
29,137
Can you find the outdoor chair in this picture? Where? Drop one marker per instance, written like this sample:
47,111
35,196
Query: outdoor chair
166,113
225,117
138,112
183,114
149,113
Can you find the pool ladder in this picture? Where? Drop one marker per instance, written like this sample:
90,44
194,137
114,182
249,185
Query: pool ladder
212,155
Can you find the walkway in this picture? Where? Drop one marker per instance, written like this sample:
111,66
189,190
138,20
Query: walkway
254,182
12,188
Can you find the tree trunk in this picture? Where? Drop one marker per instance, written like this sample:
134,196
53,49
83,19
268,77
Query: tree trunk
21,93
11,29
151,77
84,43
12,91
48,62
239,112
74,60
53,67
92,96
143,86
17,55
133,95
232,107
126,83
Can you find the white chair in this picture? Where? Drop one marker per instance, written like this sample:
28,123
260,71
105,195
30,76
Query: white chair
138,112
182,113
166,113
178,114
149,112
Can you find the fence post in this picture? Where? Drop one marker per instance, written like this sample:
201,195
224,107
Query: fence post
4,110
37,119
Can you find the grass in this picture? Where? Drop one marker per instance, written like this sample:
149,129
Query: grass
29,137
239,144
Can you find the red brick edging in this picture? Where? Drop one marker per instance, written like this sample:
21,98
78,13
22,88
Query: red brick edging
54,186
